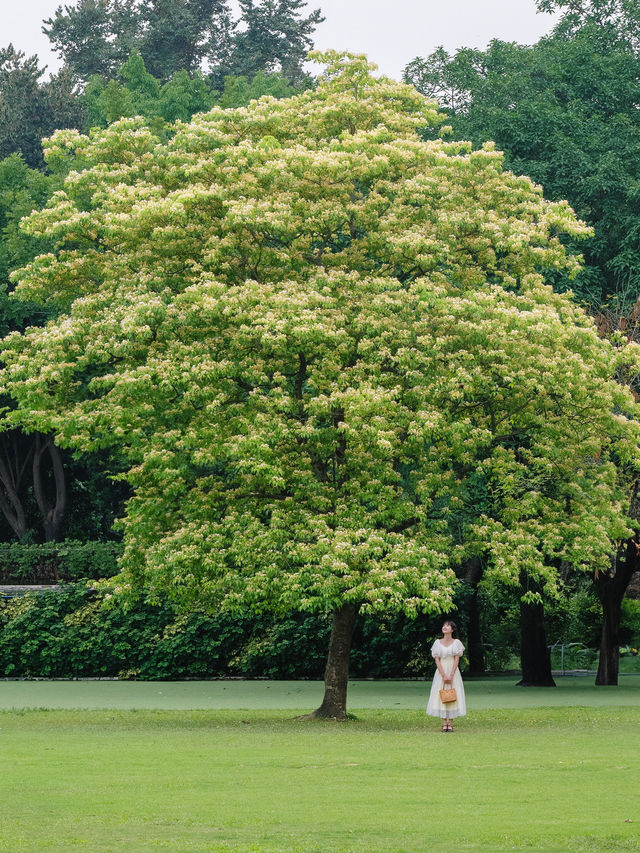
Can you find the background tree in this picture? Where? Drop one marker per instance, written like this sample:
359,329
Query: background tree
448,79
563,113
95,37
43,491
273,37
136,92
27,462
180,34
30,107
239,91
307,337
617,18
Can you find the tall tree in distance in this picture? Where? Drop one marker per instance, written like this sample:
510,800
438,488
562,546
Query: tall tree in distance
31,107
565,113
620,18
180,34
136,92
98,36
95,36
274,37
447,79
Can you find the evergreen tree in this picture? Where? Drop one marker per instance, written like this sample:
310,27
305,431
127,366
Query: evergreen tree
273,37
95,36
30,107
179,34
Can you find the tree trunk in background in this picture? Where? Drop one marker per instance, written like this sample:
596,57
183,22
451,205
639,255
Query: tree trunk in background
535,658
336,674
611,589
475,646
53,510
16,451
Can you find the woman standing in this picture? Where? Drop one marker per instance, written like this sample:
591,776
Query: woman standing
446,653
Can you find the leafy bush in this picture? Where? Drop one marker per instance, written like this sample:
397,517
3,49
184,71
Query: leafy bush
69,634
51,562
73,633
630,622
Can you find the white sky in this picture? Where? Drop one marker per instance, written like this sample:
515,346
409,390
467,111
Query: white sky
391,32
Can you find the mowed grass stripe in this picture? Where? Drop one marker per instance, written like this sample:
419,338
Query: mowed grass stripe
541,779
410,695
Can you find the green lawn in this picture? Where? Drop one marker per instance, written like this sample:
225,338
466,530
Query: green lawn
295,695
525,777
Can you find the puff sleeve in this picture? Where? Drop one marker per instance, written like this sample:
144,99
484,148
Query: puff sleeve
435,650
458,648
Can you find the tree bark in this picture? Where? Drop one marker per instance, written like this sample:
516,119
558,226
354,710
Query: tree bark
611,589
52,511
475,646
535,658
14,459
336,674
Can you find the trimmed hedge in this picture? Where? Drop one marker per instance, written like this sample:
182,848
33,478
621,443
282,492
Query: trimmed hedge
53,562
70,633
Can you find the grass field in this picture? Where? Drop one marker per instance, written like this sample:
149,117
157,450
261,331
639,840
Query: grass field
281,695
525,777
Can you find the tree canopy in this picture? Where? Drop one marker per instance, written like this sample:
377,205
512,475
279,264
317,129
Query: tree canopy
564,112
274,38
617,18
97,36
135,92
31,107
313,334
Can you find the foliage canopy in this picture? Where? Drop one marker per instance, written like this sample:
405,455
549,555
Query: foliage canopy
564,112
316,337
191,36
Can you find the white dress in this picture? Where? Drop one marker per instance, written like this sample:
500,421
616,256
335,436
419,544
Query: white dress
435,708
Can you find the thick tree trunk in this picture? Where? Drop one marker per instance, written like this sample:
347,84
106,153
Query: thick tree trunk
475,646
535,658
611,589
609,658
336,674
52,510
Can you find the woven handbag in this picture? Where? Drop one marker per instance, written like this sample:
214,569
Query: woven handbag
448,695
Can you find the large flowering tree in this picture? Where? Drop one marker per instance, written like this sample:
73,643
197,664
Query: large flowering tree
311,326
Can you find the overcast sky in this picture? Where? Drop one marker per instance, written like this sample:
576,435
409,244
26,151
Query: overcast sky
391,32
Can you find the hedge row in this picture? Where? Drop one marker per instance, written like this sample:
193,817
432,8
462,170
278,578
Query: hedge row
71,634
52,562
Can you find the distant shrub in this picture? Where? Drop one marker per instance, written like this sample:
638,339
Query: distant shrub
51,562
72,633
